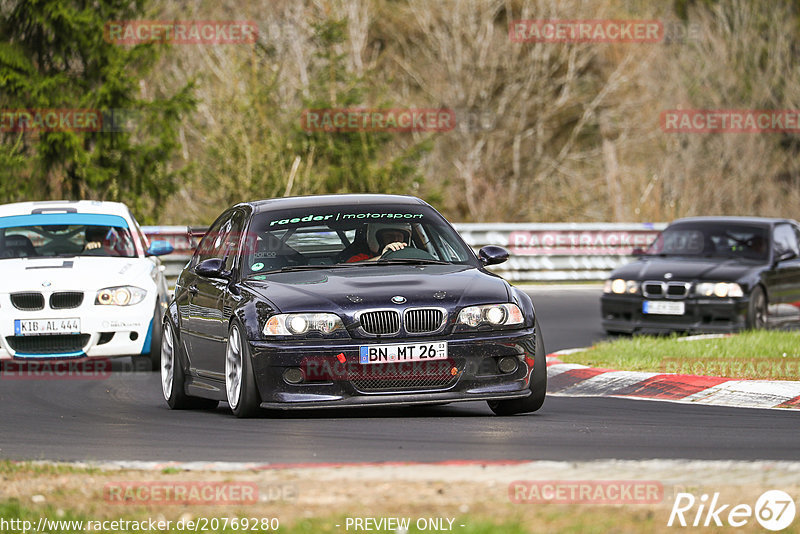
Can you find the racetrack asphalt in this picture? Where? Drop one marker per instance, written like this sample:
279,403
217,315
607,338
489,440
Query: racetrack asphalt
124,418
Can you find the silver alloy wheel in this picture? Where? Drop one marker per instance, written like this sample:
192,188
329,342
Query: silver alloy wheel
167,361
233,367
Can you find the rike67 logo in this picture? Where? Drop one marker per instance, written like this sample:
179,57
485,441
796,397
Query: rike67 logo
774,510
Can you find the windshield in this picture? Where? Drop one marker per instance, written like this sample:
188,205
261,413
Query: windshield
347,236
61,235
716,240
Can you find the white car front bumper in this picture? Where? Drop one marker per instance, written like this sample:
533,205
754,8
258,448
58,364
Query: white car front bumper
105,331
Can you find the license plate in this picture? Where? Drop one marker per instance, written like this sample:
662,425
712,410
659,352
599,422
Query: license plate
415,352
659,307
43,327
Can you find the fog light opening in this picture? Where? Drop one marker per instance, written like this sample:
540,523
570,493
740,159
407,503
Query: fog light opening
293,375
134,336
507,364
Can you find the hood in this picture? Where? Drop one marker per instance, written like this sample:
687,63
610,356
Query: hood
85,273
346,290
686,269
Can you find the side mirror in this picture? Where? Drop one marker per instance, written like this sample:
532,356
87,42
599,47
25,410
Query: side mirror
159,248
637,252
492,255
212,268
787,255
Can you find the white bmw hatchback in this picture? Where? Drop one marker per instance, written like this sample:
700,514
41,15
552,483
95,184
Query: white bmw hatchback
78,279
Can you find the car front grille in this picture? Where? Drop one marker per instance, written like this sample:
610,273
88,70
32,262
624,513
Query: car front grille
380,322
423,320
670,290
407,376
27,301
64,300
55,344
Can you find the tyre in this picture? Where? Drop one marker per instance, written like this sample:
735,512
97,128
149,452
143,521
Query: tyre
618,333
240,384
757,309
538,386
173,378
152,361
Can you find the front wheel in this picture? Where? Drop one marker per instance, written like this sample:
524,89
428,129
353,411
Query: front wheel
757,309
152,361
538,386
240,384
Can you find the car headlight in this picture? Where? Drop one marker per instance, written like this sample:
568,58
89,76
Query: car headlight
491,315
619,286
120,296
718,289
297,324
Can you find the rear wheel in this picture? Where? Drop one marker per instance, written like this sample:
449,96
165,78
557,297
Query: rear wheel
240,383
538,386
173,377
757,309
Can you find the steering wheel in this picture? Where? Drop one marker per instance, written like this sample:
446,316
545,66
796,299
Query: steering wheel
408,253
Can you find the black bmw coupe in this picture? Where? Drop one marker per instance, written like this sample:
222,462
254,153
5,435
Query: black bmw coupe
347,300
709,274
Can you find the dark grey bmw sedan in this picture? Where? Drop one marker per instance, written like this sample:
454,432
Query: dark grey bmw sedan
347,300
709,274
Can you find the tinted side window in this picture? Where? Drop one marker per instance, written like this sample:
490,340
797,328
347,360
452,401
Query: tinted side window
234,239
210,245
139,237
785,239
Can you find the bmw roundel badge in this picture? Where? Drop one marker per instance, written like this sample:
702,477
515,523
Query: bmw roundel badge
397,299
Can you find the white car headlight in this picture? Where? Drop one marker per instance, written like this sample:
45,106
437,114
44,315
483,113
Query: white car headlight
289,324
718,289
491,314
120,296
620,286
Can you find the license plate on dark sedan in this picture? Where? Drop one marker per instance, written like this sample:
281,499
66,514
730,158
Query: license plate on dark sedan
412,352
658,307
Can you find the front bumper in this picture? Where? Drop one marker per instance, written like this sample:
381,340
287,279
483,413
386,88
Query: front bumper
470,363
105,331
624,313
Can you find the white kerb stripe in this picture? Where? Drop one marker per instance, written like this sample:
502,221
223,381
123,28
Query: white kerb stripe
753,393
607,383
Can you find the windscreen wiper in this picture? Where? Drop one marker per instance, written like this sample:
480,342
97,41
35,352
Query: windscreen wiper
413,261
290,268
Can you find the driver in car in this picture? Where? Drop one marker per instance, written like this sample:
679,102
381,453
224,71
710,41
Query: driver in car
384,239
95,237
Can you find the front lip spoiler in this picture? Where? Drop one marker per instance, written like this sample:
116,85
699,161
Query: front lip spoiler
394,400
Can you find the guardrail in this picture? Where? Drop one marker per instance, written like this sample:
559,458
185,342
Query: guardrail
539,251
561,251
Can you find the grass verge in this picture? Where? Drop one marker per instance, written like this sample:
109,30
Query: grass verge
767,355
463,499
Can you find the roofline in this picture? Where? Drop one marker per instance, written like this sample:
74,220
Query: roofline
333,199
82,206
735,218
